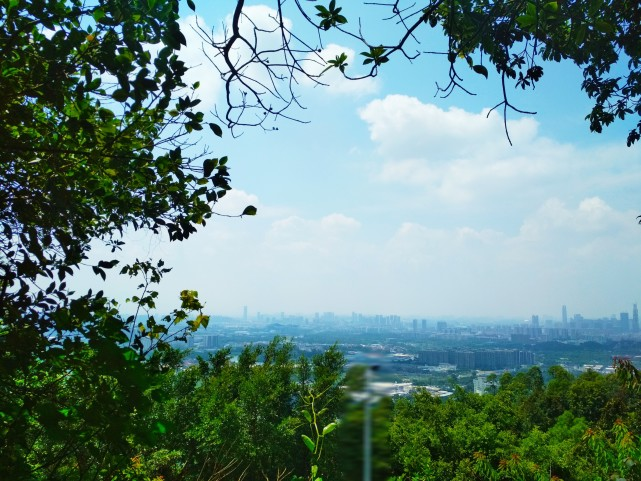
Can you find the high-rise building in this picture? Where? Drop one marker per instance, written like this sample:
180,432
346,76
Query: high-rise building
535,320
484,359
415,324
624,322
424,324
635,318
244,313
564,316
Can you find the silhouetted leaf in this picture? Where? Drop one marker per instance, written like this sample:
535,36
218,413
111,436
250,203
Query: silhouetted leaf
481,70
216,129
250,210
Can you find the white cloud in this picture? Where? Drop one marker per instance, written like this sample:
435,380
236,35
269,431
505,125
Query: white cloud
454,154
200,68
593,232
561,254
399,124
464,158
322,236
235,201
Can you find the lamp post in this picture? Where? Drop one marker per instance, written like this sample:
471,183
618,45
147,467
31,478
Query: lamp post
367,423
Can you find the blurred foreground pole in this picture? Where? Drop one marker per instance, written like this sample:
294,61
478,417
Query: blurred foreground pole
367,424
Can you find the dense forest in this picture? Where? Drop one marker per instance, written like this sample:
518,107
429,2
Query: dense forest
274,415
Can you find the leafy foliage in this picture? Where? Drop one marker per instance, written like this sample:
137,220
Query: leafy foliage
512,38
95,122
504,436
245,419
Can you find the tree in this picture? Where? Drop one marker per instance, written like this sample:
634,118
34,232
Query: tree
514,38
321,401
96,126
238,419
555,397
617,454
419,437
590,393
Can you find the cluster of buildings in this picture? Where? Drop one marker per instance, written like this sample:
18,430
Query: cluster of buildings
623,323
578,327
481,359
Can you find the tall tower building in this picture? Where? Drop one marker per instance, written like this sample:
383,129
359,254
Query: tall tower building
535,320
211,342
624,322
244,313
564,316
635,318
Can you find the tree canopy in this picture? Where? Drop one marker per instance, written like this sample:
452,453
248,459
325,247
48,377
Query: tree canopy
96,136
514,38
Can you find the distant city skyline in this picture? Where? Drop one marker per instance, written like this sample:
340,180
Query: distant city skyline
536,319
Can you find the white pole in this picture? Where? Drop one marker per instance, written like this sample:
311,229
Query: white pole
367,429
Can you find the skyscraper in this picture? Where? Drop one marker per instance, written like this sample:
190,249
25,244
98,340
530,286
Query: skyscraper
624,322
635,318
564,316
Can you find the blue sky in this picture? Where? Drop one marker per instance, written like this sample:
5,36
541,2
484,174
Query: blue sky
393,201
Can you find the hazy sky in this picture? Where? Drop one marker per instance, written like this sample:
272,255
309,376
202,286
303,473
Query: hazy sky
393,201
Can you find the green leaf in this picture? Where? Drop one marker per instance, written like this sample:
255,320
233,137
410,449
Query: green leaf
129,354
481,70
329,428
98,14
120,95
216,129
160,428
579,35
307,416
249,210
65,412
208,166
309,443
603,26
